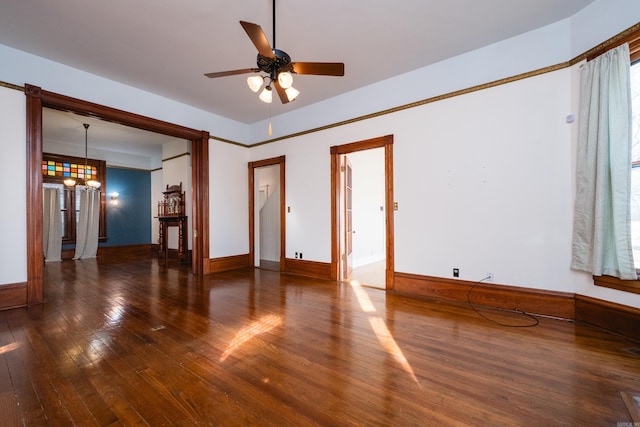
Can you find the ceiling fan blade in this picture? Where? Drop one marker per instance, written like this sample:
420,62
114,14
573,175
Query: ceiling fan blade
319,68
257,36
232,72
281,93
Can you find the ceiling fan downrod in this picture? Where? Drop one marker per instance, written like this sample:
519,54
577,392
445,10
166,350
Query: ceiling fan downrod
274,24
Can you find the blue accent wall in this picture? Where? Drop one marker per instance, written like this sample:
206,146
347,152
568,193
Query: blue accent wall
128,222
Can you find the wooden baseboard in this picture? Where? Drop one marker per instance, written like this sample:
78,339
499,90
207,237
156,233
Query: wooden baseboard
228,263
548,303
126,250
613,317
315,269
13,295
116,251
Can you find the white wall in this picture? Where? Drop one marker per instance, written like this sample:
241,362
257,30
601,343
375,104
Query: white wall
176,169
484,181
600,21
228,200
20,68
308,193
13,244
537,49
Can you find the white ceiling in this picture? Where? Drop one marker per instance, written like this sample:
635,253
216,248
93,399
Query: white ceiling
166,46
61,128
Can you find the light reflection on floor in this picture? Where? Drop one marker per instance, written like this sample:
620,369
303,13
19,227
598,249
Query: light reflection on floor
381,330
262,325
9,347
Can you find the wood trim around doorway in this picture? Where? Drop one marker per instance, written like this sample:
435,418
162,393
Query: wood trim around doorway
385,142
252,239
36,100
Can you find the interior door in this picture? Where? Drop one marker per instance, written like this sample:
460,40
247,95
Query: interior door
347,258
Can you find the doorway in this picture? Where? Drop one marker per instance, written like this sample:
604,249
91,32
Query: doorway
267,213
363,217
373,251
38,98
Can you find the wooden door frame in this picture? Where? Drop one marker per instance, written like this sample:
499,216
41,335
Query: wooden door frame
252,221
385,142
346,228
36,100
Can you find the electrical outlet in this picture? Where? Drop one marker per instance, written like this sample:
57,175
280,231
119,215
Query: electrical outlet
456,272
296,255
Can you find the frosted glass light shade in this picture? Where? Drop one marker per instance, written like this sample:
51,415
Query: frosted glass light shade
292,93
285,79
266,95
255,82
93,184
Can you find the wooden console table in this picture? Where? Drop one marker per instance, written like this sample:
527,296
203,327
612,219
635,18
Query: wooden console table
171,213
173,221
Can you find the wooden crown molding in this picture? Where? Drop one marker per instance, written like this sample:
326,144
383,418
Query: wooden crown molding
630,35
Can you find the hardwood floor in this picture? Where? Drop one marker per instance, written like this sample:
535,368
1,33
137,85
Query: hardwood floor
143,343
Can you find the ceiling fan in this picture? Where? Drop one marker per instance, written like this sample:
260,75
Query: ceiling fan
277,65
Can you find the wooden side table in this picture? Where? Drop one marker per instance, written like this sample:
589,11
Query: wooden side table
171,213
183,247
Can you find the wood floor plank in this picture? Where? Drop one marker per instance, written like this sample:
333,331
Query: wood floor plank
137,342
9,410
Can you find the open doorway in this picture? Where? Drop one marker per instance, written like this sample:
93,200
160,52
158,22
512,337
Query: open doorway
36,100
362,212
266,213
363,231
131,168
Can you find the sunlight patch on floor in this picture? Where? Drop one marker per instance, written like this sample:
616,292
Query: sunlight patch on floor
381,330
260,326
9,347
365,302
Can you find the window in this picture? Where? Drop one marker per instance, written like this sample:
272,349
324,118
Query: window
55,169
613,282
635,165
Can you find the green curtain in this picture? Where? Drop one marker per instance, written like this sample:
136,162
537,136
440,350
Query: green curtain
602,217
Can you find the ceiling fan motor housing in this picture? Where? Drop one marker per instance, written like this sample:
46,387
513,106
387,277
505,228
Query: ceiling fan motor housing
272,66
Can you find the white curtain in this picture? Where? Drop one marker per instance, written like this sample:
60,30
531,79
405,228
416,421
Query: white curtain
51,225
602,218
87,231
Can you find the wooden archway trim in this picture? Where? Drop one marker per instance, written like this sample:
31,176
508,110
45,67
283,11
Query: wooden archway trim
36,100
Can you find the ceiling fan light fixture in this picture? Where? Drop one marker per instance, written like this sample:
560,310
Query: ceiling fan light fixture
255,82
266,95
285,79
277,66
69,182
292,93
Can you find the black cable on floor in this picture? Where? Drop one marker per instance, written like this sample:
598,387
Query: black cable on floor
530,316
